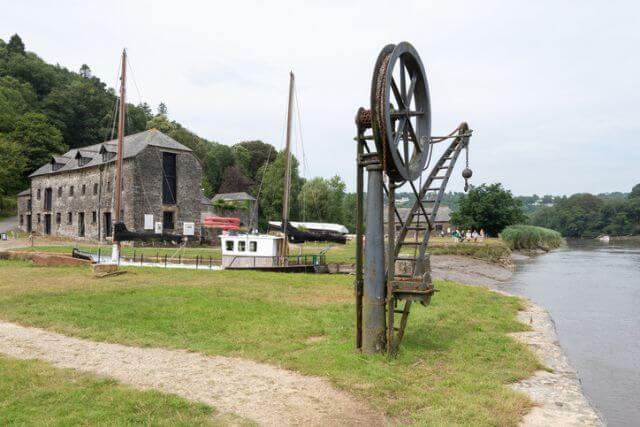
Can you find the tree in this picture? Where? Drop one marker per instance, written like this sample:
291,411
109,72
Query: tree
16,45
260,153
270,197
79,110
12,167
234,181
85,71
488,207
162,123
314,200
635,191
242,159
16,98
336,200
217,159
349,208
162,109
38,139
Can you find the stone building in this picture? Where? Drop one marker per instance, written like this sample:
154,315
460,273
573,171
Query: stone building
442,221
73,194
237,205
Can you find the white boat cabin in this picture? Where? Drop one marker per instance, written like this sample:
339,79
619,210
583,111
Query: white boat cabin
250,250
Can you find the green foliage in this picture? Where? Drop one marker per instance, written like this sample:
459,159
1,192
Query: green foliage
38,139
586,215
217,159
260,154
635,192
15,45
488,207
16,98
529,237
323,200
13,163
272,176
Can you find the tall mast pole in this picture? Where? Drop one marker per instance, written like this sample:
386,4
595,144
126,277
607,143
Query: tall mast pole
287,171
115,253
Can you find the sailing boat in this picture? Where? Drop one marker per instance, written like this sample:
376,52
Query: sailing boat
268,252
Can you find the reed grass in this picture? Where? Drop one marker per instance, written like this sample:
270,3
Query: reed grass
530,237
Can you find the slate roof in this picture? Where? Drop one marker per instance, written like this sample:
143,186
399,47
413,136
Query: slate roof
232,197
26,192
443,214
132,144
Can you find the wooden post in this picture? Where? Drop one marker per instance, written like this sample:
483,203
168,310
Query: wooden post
121,122
287,173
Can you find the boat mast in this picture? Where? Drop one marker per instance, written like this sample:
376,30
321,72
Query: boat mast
115,253
287,172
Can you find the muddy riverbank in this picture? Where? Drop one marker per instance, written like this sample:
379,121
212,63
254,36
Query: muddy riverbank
558,394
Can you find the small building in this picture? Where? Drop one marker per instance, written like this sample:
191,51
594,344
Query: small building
237,205
442,221
73,194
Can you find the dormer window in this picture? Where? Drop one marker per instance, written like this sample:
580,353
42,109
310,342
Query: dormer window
57,162
107,155
83,160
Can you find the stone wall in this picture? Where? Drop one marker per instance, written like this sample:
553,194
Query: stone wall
148,188
142,194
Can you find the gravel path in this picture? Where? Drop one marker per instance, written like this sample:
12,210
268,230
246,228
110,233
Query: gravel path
263,393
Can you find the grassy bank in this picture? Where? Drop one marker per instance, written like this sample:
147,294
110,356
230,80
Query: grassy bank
455,362
530,237
492,250
35,393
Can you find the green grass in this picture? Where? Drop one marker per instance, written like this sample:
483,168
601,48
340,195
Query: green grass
490,250
128,251
530,237
455,362
35,393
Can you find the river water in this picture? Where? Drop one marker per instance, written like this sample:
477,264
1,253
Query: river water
592,291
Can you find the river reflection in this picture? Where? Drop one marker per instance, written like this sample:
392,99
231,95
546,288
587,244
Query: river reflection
592,291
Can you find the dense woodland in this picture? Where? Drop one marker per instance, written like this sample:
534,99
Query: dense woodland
47,109
587,215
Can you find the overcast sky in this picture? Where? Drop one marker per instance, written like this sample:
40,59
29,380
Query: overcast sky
550,88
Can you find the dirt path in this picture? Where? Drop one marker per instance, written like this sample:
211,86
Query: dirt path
263,393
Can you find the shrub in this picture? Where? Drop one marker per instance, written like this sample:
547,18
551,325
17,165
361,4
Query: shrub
530,237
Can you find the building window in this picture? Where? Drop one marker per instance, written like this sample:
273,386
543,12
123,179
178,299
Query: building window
38,218
69,218
29,204
80,224
58,218
167,220
21,220
108,185
95,188
169,178
242,246
59,191
48,198
84,189
71,190
107,224
253,246
229,245
38,194
94,217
